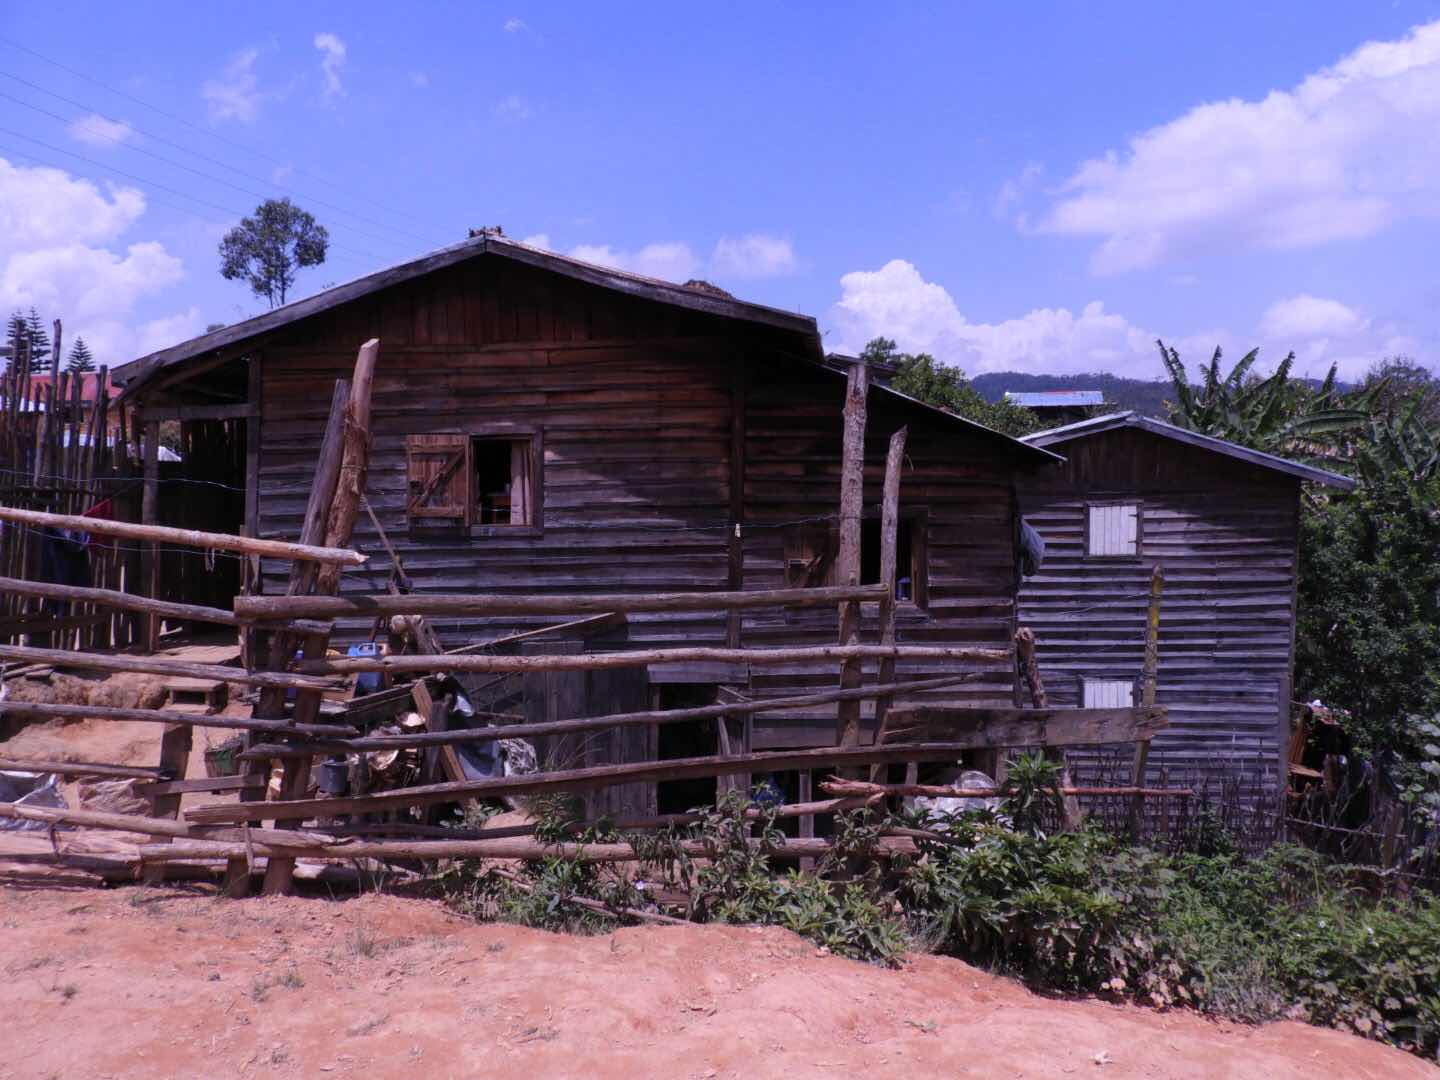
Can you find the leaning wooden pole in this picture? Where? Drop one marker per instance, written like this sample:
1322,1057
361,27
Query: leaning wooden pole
852,495
1030,670
1147,695
343,510
889,568
245,545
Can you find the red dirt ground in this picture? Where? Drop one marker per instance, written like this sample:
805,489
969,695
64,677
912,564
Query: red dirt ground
165,983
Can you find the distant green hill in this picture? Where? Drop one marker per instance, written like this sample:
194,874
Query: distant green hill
1145,396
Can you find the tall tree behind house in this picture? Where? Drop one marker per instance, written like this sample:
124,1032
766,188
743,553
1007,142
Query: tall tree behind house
81,359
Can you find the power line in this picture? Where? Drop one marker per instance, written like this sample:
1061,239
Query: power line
227,210
95,113
193,126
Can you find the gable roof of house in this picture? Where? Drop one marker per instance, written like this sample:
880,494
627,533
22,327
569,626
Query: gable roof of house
709,300
1115,421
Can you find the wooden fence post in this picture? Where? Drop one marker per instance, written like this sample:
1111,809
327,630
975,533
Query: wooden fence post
150,515
175,744
1030,669
889,543
1147,696
852,495
343,511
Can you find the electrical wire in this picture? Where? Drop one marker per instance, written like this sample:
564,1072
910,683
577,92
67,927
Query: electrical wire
197,172
193,126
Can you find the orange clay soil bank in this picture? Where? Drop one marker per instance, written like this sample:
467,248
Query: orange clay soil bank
164,983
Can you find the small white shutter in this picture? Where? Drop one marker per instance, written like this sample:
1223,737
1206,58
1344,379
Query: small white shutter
1114,530
1109,693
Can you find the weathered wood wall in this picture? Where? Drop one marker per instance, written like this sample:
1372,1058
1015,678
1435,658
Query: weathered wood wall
646,413
1225,533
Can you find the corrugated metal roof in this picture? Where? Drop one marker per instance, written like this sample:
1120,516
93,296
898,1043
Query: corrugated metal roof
1058,437
1055,399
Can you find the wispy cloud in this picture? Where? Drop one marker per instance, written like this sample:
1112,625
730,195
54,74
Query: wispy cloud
420,79
332,61
668,261
513,108
754,255
97,130
235,93
515,25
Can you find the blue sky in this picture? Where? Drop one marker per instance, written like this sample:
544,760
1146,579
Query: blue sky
1042,187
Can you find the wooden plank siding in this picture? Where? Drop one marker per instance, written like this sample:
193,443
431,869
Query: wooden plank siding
634,404
1225,533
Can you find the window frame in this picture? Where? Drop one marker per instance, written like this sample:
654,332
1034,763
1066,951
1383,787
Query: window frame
918,519
500,432
1139,552
511,433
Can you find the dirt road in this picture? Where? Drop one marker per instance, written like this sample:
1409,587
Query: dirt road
139,983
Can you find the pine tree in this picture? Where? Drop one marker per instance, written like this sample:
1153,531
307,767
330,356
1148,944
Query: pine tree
81,358
39,343
17,336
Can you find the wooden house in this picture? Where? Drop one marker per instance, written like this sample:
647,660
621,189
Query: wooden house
544,425
1222,522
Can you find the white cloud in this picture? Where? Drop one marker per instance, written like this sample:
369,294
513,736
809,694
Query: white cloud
667,261
513,108
55,254
1013,190
1346,153
754,255
538,240
1306,316
515,25
921,316
235,95
97,130
332,60
419,79
281,173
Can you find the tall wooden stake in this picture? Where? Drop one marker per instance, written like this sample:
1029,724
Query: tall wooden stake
1147,696
889,546
150,515
345,508
1030,670
852,494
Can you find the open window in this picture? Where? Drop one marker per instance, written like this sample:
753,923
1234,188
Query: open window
1112,530
482,482
909,566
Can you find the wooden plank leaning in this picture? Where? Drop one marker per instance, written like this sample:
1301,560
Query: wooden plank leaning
340,525
1030,671
889,553
245,545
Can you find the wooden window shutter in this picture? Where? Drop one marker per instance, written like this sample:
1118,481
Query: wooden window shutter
809,555
1113,530
439,477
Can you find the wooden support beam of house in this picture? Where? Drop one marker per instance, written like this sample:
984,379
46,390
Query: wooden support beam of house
1064,727
642,657
163,716
152,665
245,545
251,608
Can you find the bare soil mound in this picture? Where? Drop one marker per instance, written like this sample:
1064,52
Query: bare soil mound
142,983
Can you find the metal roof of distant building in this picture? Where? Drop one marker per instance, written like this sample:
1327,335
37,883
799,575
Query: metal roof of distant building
1055,399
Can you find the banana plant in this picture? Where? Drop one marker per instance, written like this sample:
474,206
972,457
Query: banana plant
1275,414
